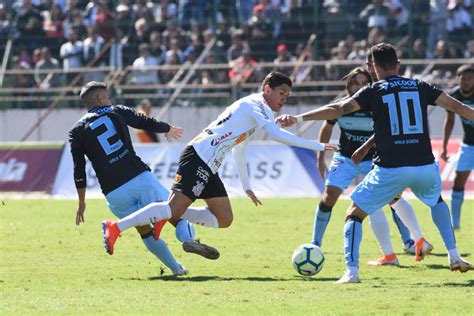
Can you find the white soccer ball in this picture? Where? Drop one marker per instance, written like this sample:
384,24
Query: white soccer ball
308,259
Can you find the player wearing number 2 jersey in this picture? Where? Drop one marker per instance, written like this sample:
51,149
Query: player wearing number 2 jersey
126,181
399,107
197,176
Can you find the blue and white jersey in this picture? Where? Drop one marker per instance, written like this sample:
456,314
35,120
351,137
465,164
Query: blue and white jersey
356,129
399,108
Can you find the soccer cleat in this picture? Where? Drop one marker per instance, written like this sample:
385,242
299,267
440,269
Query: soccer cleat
422,248
180,271
409,247
194,246
111,232
389,260
348,278
460,265
157,227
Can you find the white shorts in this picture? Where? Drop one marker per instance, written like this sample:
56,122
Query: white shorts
382,184
466,158
135,194
342,171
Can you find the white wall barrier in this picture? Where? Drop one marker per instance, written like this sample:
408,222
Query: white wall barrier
275,171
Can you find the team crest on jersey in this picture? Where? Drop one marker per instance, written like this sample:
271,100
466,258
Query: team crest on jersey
177,178
197,189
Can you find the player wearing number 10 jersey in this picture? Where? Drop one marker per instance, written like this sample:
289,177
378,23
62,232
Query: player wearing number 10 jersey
126,181
399,107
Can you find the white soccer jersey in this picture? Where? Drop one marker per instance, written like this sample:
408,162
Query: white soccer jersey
238,122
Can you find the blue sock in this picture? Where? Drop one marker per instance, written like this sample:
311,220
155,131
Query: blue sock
457,197
184,230
321,220
352,239
404,232
440,216
161,251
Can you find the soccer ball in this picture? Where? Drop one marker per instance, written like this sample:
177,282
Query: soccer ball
308,259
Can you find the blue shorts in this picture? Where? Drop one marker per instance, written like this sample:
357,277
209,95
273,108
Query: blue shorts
342,171
466,158
382,184
135,194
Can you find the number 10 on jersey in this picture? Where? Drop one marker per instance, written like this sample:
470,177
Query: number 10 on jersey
412,122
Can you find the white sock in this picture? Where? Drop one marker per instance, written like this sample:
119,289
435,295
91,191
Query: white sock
153,212
353,270
406,213
453,254
378,223
201,216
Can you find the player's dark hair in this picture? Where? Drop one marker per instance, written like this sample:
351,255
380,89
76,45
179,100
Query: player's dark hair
350,77
463,69
385,56
275,79
91,86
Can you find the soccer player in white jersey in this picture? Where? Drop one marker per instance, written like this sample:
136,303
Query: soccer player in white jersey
197,175
404,154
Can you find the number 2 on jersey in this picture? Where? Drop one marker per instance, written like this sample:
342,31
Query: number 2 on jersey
408,127
109,132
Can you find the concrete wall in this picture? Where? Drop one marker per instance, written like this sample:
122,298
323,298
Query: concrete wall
15,123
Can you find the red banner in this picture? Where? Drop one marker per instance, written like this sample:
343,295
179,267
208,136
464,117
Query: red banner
26,169
448,169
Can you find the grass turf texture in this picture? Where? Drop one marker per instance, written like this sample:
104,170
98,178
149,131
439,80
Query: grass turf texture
48,265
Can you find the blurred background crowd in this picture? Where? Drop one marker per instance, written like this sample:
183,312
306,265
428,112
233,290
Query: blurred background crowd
241,34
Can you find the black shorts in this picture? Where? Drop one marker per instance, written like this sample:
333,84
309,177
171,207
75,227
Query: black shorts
195,179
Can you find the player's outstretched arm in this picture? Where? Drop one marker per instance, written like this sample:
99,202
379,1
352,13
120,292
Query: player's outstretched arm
327,112
448,128
453,105
363,150
285,137
240,152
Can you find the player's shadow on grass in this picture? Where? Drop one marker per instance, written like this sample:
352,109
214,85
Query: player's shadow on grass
218,278
441,254
468,283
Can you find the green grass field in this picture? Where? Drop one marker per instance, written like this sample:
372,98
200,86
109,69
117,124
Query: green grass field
48,265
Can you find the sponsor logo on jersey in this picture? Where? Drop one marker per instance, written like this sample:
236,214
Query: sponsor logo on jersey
177,178
399,83
217,141
244,136
202,173
262,109
356,138
197,189
12,170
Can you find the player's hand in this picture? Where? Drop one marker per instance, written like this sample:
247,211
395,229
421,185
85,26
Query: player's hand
174,133
80,213
330,147
253,197
286,120
323,169
359,154
444,155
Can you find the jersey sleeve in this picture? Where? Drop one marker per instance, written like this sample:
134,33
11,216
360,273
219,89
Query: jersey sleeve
431,92
363,98
261,114
141,121
78,158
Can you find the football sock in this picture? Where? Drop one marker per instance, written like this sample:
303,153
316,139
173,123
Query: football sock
151,213
161,251
321,220
453,254
378,223
184,231
406,213
404,232
352,239
457,198
201,216
442,220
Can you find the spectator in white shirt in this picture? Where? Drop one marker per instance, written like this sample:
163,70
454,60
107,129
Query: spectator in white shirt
141,74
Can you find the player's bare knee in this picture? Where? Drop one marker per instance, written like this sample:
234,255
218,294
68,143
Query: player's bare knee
330,196
355,213
225,221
